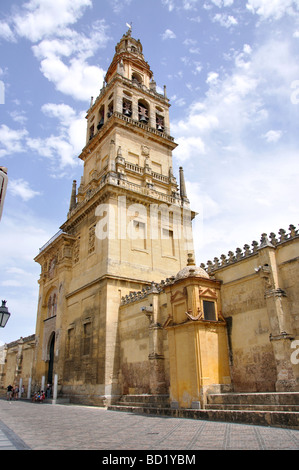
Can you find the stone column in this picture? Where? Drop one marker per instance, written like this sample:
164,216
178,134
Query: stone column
55,388
29,388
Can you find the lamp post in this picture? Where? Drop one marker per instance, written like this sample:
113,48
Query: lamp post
4,314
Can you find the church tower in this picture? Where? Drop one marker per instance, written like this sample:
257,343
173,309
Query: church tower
129,223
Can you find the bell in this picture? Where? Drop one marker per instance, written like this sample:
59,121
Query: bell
143,118
127,112
159,128
101,123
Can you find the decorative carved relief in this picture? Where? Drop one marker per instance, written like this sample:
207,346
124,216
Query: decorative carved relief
76,251
91,239
199,316
179,295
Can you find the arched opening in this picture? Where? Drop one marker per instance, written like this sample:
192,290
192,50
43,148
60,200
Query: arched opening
52,304
101,118
136,78
51,359
143,111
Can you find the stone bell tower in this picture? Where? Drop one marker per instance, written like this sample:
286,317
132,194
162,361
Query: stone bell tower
128,224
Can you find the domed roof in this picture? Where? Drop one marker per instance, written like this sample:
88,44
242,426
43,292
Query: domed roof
191,271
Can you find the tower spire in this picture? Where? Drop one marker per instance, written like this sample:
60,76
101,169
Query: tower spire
73,201
183,192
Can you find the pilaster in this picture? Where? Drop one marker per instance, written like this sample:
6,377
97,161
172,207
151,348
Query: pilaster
281,333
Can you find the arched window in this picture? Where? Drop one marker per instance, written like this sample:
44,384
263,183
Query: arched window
160,122
136,78
101,118
127,107
143,111
52,304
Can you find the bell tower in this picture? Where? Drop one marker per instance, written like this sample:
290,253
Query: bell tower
128,224
128,158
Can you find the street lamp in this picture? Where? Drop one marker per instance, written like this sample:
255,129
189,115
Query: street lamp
4,314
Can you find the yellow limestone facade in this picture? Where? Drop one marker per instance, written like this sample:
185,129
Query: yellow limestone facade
123,309
128,225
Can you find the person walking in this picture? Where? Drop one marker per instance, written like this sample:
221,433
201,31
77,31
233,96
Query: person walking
9,392
16,392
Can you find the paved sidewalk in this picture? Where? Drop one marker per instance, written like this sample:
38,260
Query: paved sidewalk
26,425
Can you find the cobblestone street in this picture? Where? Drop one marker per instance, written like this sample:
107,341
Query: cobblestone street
26,425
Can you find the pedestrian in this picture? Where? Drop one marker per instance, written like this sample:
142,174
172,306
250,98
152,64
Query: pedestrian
9,392
16,392
22,390
48,391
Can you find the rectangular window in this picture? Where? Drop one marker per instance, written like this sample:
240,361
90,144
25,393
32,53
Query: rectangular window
139,235
167,242
70,342
86,338
209,310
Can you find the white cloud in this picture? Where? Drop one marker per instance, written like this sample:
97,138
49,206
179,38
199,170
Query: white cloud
69,141
42,18
169,3
63,112
212,77
21,234
6,32
62,148
225,20
189,4
222,3
11,141
21,188
218,145
78,79
272,8
272,136
63,52
19,116
168,34
119,5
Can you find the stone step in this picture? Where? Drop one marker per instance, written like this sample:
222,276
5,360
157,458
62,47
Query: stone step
261,398
144,400
58,401
254,407
262,418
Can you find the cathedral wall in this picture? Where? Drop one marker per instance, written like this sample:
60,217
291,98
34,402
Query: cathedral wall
17,362
244,302
134,350
288,268
81,357
244,307
144,353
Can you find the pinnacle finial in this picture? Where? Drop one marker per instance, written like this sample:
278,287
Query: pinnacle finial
130,26
73,201
183,192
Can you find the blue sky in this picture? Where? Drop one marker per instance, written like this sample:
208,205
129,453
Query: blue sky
231,70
